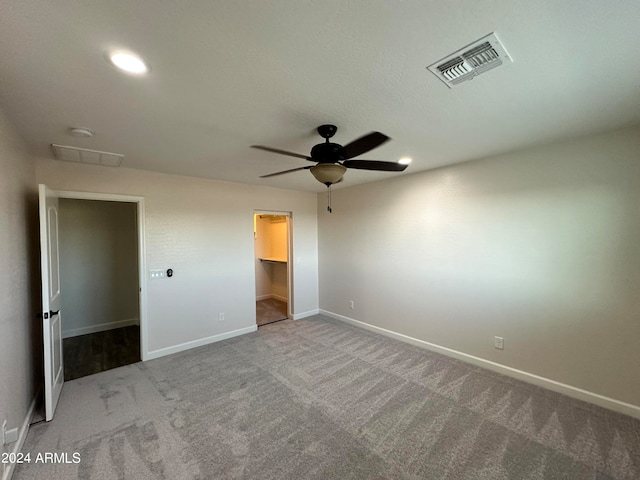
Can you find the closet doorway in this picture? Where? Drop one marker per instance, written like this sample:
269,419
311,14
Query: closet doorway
272,251
98,251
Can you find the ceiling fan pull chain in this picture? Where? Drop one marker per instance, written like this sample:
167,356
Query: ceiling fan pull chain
329,198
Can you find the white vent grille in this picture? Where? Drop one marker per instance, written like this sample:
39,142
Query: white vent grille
84,155
471,61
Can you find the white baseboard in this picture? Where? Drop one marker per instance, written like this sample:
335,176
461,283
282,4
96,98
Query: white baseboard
22,435
161,352
570,391
75,332
310,313
270,296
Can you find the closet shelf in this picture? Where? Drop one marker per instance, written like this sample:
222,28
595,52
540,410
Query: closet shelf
273,260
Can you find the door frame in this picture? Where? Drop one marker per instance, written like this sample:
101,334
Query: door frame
142,278
289,219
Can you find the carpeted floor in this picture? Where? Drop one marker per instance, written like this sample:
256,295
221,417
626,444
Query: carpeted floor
319,399
270,310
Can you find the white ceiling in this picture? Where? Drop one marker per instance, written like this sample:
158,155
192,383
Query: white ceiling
231,73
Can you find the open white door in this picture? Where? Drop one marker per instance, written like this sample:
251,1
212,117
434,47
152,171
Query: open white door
51,315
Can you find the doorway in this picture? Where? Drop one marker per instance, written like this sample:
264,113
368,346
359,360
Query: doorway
99,280
52,296
272,251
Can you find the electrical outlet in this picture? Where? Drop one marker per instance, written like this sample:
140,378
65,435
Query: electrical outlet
8,436
11,435
498,342
221,317
351,304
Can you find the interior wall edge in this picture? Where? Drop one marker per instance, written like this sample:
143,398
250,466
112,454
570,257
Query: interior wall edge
558,387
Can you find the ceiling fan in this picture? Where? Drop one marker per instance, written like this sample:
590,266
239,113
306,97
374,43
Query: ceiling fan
333,160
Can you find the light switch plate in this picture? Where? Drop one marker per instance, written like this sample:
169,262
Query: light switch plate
156,274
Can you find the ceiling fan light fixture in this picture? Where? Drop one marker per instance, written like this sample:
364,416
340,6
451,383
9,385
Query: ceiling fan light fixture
328,173
405,161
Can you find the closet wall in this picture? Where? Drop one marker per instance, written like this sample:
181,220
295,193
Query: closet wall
98,266
271,245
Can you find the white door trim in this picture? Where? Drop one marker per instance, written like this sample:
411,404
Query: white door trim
142,278
290,301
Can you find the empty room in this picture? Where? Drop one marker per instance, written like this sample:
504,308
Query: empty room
320,240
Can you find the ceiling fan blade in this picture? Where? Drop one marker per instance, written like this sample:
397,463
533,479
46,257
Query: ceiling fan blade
375,165
281,152
285,171
364,144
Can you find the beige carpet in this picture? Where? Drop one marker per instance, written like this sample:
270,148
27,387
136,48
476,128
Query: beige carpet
270,310
319,399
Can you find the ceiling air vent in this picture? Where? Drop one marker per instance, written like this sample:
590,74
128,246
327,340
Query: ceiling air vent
84,155
471,61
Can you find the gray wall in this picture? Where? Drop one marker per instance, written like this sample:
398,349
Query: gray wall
98,265
541,247
20,332
203,230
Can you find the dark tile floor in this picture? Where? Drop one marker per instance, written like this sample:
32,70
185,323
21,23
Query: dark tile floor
96,352
270,310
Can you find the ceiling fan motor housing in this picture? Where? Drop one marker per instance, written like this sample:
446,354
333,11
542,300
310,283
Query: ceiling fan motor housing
327,153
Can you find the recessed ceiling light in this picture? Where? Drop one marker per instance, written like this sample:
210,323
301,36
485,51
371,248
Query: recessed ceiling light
128,62
404,161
